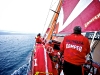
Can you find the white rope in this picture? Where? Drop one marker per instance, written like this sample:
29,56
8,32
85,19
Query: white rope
92,42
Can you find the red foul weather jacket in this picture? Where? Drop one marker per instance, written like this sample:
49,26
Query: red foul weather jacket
75,48
38,39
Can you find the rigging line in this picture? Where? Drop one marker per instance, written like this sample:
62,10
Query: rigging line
55,11
54,3
47,17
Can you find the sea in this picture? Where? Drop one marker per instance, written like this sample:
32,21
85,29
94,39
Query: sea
15,54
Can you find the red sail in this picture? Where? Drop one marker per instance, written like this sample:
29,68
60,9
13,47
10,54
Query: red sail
85,13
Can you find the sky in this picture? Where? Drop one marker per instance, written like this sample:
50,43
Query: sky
26,16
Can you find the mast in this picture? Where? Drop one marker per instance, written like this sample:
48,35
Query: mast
53,21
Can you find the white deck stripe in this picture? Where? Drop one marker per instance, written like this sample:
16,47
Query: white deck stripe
45,57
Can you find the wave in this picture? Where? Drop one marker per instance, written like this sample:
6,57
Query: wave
23,70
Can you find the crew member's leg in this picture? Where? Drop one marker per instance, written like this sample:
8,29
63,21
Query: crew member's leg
70,69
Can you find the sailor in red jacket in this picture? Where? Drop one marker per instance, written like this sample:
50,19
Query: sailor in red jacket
38,38
75,47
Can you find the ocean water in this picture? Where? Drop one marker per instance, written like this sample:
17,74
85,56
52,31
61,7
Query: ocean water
15,54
